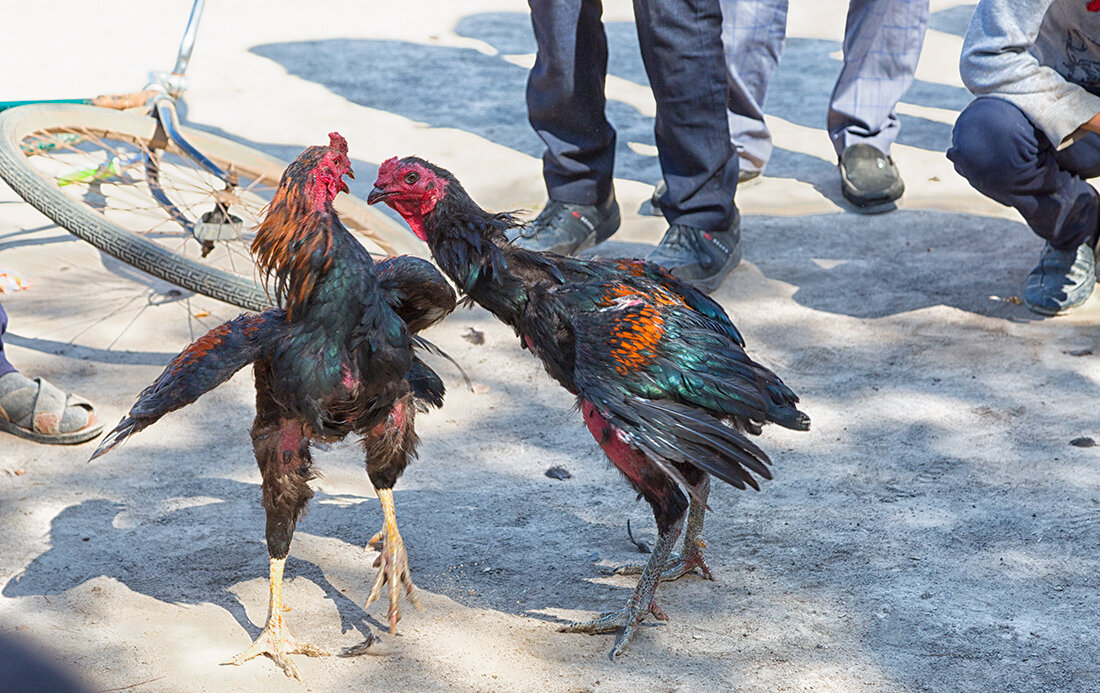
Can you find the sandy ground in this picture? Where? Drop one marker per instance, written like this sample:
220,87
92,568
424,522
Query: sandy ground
935,531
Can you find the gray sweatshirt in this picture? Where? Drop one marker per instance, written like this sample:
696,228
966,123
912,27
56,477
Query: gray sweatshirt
1041,55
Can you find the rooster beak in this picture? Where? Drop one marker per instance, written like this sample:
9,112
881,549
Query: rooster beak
377,195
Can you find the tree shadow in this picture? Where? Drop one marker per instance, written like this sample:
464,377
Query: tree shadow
177,556
919,259
896,532
85,353
464,88
447,87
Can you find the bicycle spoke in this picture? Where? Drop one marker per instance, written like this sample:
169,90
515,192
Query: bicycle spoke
100,320
128,326
125,195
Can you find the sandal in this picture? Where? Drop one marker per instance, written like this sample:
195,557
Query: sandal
38,411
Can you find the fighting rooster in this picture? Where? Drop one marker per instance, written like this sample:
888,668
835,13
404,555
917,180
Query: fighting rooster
660,373
336,357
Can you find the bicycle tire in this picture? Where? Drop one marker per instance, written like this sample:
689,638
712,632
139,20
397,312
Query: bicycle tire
44,194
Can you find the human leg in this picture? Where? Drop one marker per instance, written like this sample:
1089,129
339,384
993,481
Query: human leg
1005,157
882,43
565,105
753,35
682,51
565,100
5,365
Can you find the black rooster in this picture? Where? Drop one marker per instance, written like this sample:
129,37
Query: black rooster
660,373
336,357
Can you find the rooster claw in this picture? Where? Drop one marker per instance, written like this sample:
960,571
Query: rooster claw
278,644
625,620
675,568
393,567
361,648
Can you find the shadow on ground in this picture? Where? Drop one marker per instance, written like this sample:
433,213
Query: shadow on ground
484,94
919,524
896,263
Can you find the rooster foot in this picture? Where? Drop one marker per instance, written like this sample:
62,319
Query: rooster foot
677,566
625,620
276,642
392,564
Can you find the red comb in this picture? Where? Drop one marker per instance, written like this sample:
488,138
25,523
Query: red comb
388,166
337,142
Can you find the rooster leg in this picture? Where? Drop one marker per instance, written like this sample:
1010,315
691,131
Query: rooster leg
275,639
669,507
389,446
641,603
282,453
392,562
691,557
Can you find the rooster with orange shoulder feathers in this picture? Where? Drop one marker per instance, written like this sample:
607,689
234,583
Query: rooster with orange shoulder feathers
336,357
659,371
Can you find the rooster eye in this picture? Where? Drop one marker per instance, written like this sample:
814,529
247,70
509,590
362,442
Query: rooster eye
412,177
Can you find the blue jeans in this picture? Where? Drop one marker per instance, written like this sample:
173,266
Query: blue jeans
5,366
882,42
681,45
1005,157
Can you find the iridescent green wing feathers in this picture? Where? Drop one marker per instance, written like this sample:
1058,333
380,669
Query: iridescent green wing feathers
662,373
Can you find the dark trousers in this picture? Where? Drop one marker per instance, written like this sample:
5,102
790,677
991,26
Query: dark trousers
681,42
5,367
1006,157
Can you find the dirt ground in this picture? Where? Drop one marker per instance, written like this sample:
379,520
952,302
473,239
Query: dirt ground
935,531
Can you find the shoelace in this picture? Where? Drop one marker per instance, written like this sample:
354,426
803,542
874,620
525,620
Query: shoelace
682,238
552,214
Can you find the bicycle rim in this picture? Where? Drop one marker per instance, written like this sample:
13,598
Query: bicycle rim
87,169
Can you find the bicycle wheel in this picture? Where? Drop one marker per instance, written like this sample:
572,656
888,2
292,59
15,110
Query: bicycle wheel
84,168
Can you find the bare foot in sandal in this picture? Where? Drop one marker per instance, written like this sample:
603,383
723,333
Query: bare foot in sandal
39,411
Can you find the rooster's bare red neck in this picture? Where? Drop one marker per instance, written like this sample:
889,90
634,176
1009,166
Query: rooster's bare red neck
413,213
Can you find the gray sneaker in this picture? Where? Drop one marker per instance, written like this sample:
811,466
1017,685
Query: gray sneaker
869,179
703,258
566,228
1062,281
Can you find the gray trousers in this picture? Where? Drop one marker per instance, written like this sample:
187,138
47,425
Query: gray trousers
882,42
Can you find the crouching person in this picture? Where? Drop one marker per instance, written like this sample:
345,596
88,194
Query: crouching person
1030,140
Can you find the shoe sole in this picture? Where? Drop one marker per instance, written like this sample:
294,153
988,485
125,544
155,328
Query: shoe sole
1048,313
872,208
71,438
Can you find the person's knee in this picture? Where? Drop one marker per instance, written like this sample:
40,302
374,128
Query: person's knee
989,144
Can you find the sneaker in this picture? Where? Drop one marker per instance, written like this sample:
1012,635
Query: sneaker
1062,281
567,229
869,179
703,258
745,179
